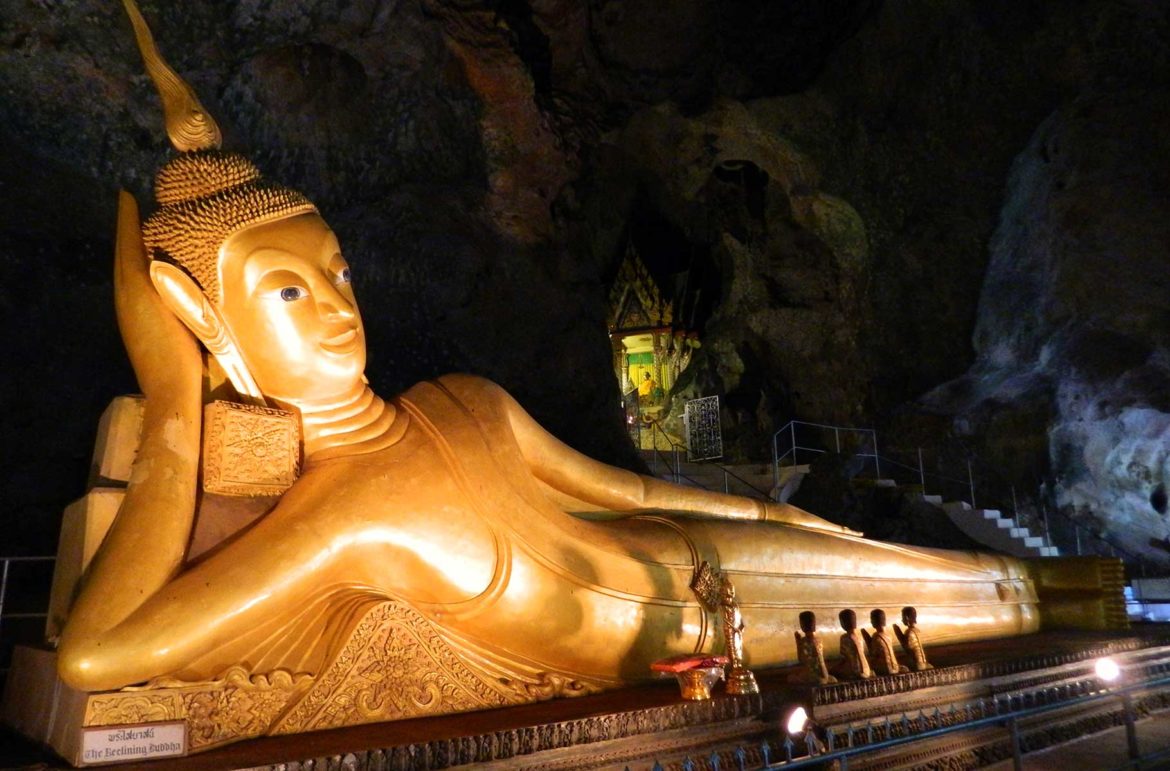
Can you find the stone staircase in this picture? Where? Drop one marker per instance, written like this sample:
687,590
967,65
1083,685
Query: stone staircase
987,526
991,527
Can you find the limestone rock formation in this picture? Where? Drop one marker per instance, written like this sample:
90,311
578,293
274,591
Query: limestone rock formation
1074,318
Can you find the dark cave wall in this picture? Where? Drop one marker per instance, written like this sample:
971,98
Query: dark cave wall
916,122
483,162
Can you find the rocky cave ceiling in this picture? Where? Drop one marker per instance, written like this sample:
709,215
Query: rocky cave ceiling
955,226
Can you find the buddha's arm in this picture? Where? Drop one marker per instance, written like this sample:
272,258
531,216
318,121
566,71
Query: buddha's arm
145,546
575,477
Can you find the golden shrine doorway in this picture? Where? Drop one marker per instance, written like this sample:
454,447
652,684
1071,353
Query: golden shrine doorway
650,351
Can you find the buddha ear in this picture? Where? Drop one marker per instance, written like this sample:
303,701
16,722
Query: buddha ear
186,300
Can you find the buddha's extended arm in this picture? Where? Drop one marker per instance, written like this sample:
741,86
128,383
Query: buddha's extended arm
146,544
601,487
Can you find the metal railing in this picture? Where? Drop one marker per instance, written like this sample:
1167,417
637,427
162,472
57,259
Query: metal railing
818,746
6,564
957,476
673,464
963,476
861,443
1001,715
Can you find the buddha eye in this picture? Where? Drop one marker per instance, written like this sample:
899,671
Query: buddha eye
343,276
292,293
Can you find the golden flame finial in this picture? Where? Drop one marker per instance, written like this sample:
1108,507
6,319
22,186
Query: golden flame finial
188,124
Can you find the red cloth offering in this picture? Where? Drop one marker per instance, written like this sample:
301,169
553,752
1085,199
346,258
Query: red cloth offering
688,661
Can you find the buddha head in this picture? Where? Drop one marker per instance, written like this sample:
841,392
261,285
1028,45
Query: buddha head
246,264
909,616
808,621
848,619
255,273
877,618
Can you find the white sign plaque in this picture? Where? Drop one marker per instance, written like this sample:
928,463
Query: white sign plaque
120,743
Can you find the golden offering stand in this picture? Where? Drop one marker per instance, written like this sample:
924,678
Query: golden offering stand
696,674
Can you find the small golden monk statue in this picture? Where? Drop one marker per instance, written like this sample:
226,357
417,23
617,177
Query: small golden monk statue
717,594
881,645
434,552
854,650
811,652
739,678
910,641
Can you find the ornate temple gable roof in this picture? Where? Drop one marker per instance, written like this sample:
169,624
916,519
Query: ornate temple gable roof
634,300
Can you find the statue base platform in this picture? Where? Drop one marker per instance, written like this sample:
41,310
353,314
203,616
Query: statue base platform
395,665
639,726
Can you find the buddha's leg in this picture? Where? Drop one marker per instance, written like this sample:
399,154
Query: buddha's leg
779,572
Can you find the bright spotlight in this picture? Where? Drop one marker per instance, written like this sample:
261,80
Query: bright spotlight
1107,670
797,720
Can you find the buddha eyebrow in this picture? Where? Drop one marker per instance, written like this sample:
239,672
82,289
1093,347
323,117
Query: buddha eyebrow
293,250
263,248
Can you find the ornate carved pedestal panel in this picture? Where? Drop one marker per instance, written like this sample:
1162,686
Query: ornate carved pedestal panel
398,665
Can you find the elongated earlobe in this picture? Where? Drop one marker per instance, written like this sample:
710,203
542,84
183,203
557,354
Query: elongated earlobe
186,300
190,305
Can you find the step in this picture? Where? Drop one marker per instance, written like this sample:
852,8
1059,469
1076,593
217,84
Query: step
1049,551
933,499
989,527
790,479
871,482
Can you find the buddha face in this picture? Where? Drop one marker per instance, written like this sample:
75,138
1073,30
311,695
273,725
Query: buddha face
289,306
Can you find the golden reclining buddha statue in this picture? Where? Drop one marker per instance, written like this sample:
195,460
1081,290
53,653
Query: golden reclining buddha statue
439,551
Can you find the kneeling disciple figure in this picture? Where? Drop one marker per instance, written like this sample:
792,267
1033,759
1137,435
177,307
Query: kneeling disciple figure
881,646
910,641
854,651
811,652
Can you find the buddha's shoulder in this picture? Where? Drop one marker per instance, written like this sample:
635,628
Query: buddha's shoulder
471,391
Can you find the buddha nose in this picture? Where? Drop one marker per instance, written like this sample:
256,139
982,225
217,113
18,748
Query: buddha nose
333,307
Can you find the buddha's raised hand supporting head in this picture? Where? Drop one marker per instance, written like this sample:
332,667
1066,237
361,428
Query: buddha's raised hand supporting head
257,275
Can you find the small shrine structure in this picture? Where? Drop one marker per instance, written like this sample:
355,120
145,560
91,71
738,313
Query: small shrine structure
651,347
